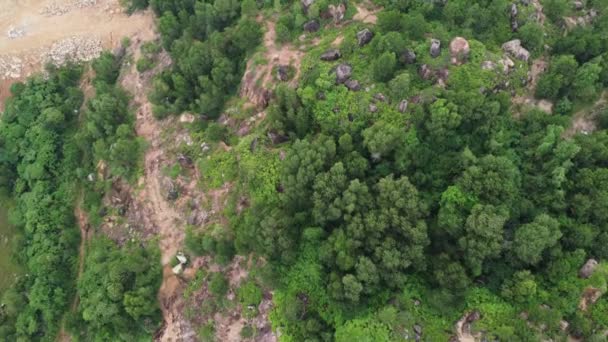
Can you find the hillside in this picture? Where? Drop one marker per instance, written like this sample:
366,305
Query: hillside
304,170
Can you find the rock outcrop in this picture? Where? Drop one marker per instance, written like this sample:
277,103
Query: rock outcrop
352,85
588,268
331,55
435,48
312,26
515,49
459,50
343,73
408,57
364,37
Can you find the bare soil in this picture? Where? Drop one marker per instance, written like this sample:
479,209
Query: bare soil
538,67
365,14
101,20
258,79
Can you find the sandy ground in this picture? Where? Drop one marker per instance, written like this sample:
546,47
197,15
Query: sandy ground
101,20
104,19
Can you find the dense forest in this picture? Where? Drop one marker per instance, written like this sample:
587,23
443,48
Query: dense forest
411,178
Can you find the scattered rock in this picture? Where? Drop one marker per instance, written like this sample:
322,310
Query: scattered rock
488,65
380,97
185,161
442,76
170,189
403,106
181,258
590,296
435,48
352,85
187,118
74,49
343,73
578,5
364,37
588,268
15,32
283,73
337,12
331,55
408,57
276,138
473,316
254,144
425,72
515,49
373,108
306,5
417,329
178,269
459,50
10,67
514,10
507,64
312,26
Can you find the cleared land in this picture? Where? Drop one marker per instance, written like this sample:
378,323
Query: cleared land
34,31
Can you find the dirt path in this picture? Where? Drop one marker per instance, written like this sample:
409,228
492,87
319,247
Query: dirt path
167,221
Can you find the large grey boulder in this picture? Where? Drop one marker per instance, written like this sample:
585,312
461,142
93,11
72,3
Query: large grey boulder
312,26
343,73
403,106
331,55
588,268
352,85
408,57
514,48
364,37
514,10
435,48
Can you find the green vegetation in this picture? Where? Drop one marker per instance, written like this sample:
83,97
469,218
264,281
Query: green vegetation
118,293
38,163
8,237
435,188
454,203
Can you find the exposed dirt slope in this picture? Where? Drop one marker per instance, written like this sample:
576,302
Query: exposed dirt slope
164,218
258,79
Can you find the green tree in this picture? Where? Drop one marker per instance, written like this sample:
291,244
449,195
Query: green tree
533,238
483,236
383,68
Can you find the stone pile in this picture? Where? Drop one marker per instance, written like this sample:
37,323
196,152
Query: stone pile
15,32
10,67
73,49
57,9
